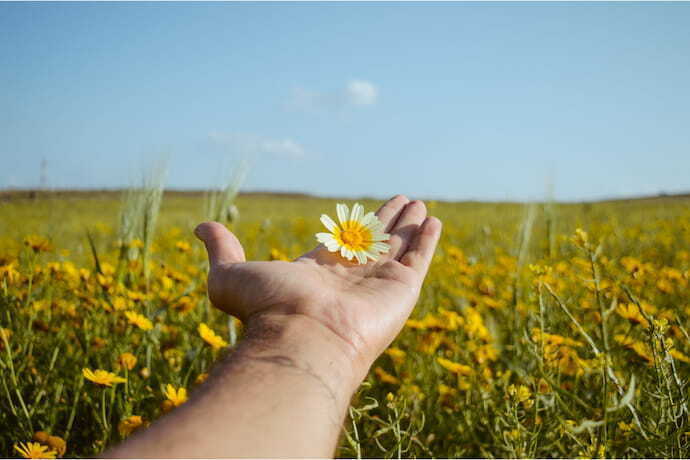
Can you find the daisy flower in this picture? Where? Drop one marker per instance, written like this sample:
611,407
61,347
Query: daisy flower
357,235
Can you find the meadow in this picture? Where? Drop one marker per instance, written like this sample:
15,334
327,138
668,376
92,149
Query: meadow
542,330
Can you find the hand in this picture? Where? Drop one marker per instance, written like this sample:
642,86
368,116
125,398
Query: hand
313,328
363,306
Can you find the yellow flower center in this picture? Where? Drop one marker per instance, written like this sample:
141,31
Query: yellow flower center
354,236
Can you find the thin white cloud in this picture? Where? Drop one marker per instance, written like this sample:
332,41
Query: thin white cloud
362,92
282,147
355,93
252,144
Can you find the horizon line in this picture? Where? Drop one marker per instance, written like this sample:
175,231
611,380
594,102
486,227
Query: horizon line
77,190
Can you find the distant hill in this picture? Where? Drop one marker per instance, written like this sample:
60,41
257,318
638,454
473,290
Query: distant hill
18,194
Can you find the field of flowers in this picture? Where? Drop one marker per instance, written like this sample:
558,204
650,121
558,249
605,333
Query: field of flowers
543,330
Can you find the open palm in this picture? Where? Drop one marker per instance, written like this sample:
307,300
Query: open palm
364,305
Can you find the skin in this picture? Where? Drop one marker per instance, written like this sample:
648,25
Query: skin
314,327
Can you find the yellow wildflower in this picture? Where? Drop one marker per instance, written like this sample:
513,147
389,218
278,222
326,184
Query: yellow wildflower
127,360
446,391
661,325
41,436
664,286
474,325
84,274
121,303
430,342
138,320
98,342
672,274
559,353
128,425
385,377
38,243
55,443
632,266
183,246
487,286
34,450
5,335
277,254
446,394
211,337
396,354
625,426
451,319
512,435
9,273
176,397
486,353
521,394
640,348
631,312
553,339
679,356
581,239
454,367
101,377
430,322
166,282
416,324
136,296
184,304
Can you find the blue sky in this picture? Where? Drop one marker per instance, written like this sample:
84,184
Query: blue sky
436,100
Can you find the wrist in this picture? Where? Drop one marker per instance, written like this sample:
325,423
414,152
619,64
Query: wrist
303,343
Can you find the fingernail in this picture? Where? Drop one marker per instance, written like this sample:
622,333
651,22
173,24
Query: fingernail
198,232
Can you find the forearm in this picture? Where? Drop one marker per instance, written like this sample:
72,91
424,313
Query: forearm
283,393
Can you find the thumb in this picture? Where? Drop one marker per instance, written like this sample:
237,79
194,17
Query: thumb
222,245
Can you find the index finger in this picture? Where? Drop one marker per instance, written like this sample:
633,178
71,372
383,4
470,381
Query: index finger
390,211
421,250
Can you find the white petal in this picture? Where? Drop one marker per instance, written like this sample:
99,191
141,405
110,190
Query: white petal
369,219
357,212
325,238
372,255
343,211
332,246
343,252
381,247
379,236
329,223
376,225
361,257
